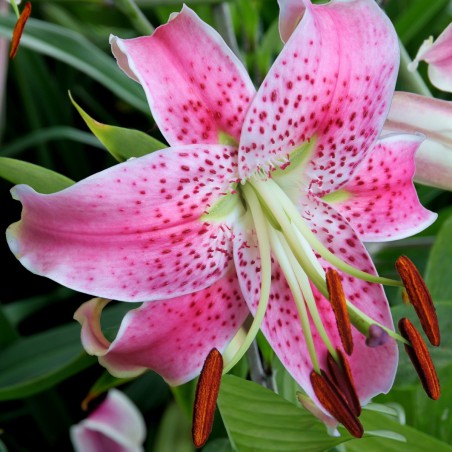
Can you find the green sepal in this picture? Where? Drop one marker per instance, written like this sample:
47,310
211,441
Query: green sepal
120,142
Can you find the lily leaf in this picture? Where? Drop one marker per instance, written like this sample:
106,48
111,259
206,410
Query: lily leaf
41,179
34,364
122,143
437,274
74,49
39,362
442,356
376,424
258,419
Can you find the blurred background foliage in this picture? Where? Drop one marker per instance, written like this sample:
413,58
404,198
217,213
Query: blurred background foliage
44,373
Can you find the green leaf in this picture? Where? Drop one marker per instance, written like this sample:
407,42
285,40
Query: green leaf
120,142
217,445
416,15
257,419
437,274
41,179
35,363
174,432
442,355
48,134
73,49
375,422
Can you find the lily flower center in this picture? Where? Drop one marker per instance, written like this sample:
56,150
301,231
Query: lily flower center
286,237
279,223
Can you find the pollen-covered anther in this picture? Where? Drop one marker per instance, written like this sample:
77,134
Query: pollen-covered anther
342,377
18,29
332,400
339,305
420,357
420,298
206,396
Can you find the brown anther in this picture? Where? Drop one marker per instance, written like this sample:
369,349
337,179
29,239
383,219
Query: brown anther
343,379
206,397
333,401
339,305
420,298
420,357
18,29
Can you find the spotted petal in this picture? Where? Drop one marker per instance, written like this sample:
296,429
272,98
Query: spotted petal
172,337
373,368
331,86
115,425
411,113
196,87
380,201
132,232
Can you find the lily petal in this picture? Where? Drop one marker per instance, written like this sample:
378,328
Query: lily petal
290,14
373,369
172,337
411,113
132,232
331,85
115,425
380,201
195,85
438,55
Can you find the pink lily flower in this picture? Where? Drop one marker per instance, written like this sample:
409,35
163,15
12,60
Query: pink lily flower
412,113
259,195
438,55
116,425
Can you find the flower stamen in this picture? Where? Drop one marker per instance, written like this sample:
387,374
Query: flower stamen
333,401
284,262
280,205
339,305
308,296
206,396
420,298
420,357
265,255
19,28
341,374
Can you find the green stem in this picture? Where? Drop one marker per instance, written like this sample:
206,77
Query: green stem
277,200
15,8
135,15
412,80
